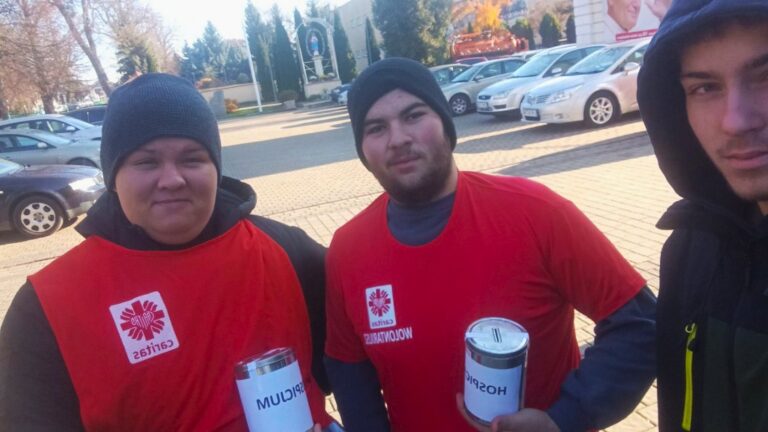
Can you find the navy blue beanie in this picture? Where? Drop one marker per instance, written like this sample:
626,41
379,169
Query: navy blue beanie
390,74
153,106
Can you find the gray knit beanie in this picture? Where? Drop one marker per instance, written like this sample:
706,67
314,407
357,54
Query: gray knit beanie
390,74
153,106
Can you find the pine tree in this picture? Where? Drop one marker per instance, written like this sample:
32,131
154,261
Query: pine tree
404,25
570,29
255,30
344,57
215,52
134,59
371,45
193,61
285,65
522,28
312,10
470,29
439,15
550,31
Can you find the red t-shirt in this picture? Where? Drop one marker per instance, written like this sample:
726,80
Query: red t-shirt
512,248
151,338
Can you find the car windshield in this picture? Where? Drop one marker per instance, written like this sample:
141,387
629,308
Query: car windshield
52,139
79,123
536,65
598,61
467,74
8,167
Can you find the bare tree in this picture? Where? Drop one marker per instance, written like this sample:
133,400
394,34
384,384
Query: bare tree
79,19
131,22
36,54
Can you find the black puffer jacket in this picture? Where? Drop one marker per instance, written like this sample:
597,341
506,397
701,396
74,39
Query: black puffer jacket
712,317
39,373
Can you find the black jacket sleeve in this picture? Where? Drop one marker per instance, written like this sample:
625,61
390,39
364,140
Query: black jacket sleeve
308,259
36,392
616,371
358,396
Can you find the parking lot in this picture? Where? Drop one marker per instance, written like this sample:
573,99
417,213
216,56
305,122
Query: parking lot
305,170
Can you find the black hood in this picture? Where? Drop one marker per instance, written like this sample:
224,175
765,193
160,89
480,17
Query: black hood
234,201
662,101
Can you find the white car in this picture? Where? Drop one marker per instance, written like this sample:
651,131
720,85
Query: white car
35,147
462,91
55,123
504,97
597,90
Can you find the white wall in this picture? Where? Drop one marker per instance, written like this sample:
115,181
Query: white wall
590,24
353,15
239,92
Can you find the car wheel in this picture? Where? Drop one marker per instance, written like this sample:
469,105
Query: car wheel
82,161
601,109
459,104
37,216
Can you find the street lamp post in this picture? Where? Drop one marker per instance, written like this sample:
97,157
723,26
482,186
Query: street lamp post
253,71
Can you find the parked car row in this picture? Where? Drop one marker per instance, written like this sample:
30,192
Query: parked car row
591,83
41,185
55,123
597,90
36,147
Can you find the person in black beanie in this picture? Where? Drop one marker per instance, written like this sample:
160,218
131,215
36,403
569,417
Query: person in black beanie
139,327
442,248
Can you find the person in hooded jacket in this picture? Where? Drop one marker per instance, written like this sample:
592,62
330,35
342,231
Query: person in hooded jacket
703,94
139,327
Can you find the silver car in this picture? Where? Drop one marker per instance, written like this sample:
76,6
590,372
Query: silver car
504,97
463,90
55,123
444,74
597,90
34,147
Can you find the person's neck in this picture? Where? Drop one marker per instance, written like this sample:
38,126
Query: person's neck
448,189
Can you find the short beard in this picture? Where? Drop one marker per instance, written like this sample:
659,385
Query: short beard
427,189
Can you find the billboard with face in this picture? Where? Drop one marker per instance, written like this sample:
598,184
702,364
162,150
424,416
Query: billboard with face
632,19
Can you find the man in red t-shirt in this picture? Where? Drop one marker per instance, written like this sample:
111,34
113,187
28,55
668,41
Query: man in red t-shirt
443,248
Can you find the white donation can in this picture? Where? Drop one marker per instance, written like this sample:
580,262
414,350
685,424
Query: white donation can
494,368
272,392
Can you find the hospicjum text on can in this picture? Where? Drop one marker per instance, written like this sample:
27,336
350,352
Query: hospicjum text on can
494,368
272,392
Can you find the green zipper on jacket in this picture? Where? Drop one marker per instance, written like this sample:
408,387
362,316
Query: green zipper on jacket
690,329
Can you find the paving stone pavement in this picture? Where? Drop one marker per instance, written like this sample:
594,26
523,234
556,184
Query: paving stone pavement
305,170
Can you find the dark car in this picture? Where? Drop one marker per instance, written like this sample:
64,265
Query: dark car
37,201
338,91
92,114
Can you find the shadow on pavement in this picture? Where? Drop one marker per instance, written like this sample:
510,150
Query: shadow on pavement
11,237
253,159
613,150
507,134
275,156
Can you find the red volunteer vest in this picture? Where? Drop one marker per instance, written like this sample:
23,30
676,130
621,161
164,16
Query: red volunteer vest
512,248
150,338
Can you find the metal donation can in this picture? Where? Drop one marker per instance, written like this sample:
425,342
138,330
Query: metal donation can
494,368
272,392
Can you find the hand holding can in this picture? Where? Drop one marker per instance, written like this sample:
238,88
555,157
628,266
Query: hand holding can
494,374
272,392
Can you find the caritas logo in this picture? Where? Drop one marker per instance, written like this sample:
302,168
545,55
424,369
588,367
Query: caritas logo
381,306
142,320
144,327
